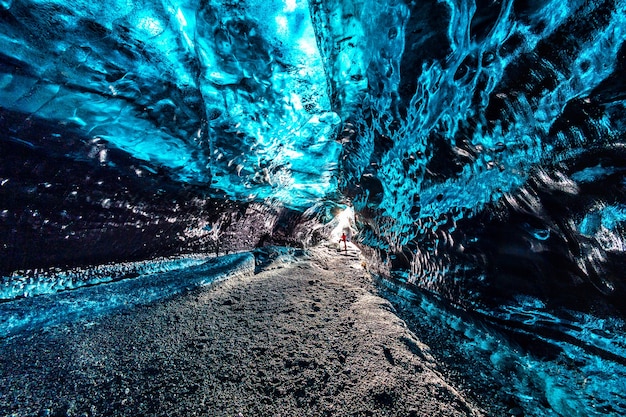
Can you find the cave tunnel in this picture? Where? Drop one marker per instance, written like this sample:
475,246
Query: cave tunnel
461,161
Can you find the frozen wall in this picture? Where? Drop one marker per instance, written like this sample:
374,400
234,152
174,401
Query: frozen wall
489,137
140,129
480,144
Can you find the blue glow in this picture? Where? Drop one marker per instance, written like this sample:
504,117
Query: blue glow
600,219
441,103
96,89
286,124
32,283
478,142
592,174
143,93
157,281
592,387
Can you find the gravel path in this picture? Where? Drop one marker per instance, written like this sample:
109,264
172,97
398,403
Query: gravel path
301,338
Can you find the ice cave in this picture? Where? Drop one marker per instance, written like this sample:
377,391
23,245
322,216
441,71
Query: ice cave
313,208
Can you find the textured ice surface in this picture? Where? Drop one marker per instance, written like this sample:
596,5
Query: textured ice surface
550,365
31,283
230,91
480,144
32,313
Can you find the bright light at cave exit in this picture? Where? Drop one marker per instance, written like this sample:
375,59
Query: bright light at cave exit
345,224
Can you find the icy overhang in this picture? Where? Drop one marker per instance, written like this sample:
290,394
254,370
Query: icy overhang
263,82
230,94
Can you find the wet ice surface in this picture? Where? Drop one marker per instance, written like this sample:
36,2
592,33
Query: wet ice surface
34,282
306,336
552,363
31,313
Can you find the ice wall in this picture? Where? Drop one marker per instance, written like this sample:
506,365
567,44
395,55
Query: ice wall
480,144
488,137
263,82
226,94
118,74
139,129
485,164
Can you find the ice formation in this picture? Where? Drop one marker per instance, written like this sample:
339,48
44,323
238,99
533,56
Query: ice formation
480,145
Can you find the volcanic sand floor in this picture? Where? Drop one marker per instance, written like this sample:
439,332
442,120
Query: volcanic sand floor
303,338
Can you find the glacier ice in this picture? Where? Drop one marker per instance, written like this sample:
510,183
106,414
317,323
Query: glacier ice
479,144
263,83
87,300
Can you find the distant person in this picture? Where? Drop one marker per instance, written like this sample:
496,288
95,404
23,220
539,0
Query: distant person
344,238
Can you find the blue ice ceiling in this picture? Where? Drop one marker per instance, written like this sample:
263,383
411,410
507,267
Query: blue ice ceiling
256,98
232,95
482,145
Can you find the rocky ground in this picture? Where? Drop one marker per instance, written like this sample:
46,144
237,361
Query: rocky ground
302,338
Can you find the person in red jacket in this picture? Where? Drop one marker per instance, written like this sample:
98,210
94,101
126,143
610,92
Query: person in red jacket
344,239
